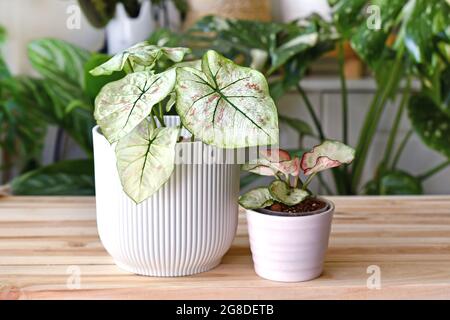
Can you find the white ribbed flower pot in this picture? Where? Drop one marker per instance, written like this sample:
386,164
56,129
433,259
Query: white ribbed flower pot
289,249
183,229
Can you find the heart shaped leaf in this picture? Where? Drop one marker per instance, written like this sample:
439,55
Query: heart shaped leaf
273,161
226,105
282,192
122,105
142,56
327,155
256,199
146,159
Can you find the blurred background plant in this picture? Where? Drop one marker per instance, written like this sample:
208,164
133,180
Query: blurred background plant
407,51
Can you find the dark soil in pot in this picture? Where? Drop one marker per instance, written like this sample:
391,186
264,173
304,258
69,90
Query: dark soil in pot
307,207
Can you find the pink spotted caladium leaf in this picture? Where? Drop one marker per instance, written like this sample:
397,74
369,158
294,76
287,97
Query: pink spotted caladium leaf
327,155
122,105
226,105
140,57
274,160
146,159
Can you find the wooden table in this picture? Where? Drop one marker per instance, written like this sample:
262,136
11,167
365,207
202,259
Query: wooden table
46,242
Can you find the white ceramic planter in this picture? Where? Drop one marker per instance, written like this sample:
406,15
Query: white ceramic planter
289,249
183,229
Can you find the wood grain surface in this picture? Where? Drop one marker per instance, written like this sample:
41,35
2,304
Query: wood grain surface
46,243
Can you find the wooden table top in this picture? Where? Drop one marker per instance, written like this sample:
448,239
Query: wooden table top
45,243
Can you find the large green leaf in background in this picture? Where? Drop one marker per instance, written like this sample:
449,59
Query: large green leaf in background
226,105
62,65
93,84
146,159
430,123
71,177
98,12
396,182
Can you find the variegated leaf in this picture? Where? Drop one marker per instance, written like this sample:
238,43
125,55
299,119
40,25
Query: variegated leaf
226,105
273,161
282,192
327,155
122,105
142,56
145,159
256,199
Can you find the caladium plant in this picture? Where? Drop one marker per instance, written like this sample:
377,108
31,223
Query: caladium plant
288,187
218,101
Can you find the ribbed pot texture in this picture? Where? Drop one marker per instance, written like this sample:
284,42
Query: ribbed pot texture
289,249
183,229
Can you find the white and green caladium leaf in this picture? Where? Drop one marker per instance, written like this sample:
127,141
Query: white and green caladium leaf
226,105
327,155
122,105
146,159
142,56
256,199
282,192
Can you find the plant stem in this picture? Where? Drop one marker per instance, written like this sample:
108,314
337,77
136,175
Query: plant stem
296,179
434,170
308,181
152,116
344,94
192,138
371,121
396,124
311,112
161,114
130,66
400,149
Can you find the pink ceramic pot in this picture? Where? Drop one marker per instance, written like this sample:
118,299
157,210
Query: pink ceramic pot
289,249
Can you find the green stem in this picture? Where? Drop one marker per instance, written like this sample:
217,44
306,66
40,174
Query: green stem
152,116
161,114
371,121
130,65
308,181
400,149
311,112
396,124
344,94
192,138
434,170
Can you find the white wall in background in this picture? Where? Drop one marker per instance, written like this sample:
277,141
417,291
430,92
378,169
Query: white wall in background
26,20
288,10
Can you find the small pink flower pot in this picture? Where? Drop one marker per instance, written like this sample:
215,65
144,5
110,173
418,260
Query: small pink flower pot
289,248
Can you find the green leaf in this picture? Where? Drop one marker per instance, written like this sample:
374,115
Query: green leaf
430,123
146,159
422,20
71,177
302,127
256,199
370,43
347,14
93,84
328,154
140,57
396,182
282,192
226,105
98,12
122,105
62,64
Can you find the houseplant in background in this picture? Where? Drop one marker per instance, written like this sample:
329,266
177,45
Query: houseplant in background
285,50
288,226
62,96
166,196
